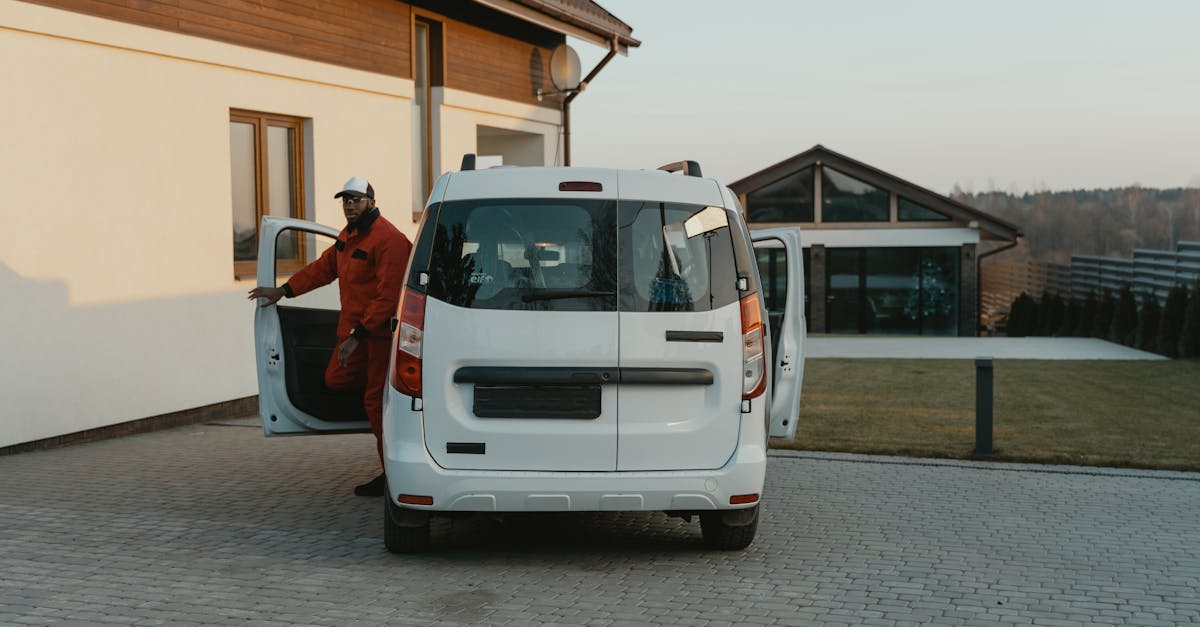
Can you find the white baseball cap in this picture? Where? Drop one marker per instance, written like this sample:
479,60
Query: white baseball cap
356,186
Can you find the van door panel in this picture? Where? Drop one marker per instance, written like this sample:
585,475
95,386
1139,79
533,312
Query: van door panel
521,334
680,315
788,335
295,337
517,352
686,424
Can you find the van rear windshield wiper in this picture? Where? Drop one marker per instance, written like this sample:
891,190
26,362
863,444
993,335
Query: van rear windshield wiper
553,294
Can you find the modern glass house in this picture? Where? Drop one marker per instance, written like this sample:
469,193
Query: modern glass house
882,255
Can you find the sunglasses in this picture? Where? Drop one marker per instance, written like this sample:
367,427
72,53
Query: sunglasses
351,200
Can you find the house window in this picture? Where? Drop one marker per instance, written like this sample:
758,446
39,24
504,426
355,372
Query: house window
266,174
789,199
847,199
909,211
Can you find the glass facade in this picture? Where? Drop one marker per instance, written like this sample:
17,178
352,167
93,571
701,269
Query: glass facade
789,199
909,211
847,199
896,291
913,290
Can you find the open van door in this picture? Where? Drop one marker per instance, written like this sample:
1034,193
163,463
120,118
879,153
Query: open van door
781,267
294,338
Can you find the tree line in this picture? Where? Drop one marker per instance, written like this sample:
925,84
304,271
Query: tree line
1108,222
1172,330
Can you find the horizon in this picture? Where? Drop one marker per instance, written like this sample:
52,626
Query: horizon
1025,96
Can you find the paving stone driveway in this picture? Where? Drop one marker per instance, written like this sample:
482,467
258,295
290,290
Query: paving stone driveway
217,524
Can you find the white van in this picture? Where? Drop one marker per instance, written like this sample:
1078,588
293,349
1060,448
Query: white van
569,339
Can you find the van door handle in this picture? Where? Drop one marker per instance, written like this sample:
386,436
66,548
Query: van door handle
666,376
695,336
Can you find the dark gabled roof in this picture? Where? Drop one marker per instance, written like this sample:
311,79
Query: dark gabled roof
582,14
992,227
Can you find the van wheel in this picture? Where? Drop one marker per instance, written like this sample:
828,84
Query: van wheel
413,537
720,534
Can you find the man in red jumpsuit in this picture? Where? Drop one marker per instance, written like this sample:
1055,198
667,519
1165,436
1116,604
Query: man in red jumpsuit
368,259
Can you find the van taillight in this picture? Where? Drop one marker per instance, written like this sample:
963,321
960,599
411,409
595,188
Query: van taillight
406,369
754,381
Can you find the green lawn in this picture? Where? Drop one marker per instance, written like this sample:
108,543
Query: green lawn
1143,414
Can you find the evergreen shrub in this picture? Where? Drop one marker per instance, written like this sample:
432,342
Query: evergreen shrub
1124,323
1147,329
1172,321
1087,316
1104,316
1189,339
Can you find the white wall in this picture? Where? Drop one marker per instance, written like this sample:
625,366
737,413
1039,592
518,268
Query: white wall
889,237
117,297
513,147
459,114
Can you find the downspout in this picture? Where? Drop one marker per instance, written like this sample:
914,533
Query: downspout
566,105
979,278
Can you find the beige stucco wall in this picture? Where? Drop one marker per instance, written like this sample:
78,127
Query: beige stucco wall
459,114
117,297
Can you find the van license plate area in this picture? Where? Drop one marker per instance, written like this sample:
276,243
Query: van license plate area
568,402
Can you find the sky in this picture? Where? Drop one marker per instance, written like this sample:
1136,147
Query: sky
1019,95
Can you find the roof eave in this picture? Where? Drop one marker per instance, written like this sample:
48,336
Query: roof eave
564,23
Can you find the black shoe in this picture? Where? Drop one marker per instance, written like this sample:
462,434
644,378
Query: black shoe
374,487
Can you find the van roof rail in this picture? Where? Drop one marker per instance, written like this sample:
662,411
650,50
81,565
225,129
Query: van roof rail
689,168
468,162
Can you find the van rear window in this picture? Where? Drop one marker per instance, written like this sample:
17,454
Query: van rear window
675,257
525,254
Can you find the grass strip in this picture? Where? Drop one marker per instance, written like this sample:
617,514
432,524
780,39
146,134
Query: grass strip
1136,414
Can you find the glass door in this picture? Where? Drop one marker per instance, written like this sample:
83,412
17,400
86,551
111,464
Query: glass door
845,283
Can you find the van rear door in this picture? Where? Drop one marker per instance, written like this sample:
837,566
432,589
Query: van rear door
680,326
520,337
781,267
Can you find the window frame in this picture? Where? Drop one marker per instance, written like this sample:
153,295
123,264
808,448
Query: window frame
434,71
262,122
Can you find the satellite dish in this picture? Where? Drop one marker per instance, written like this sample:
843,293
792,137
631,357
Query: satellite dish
564,68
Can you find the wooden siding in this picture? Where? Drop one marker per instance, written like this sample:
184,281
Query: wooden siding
492,64
371,35
486,52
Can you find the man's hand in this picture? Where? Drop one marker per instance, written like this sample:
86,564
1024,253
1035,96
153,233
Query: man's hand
271,294
345,349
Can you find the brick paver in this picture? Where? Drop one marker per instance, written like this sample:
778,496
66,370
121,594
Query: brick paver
217,524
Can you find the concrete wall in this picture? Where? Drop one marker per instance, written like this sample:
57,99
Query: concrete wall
116,261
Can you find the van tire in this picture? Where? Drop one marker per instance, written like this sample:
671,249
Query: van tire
409,538
720,534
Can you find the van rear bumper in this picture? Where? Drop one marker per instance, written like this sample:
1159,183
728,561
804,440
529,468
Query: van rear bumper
412,471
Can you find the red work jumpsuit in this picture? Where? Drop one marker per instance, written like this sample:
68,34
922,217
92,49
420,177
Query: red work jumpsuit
369,260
